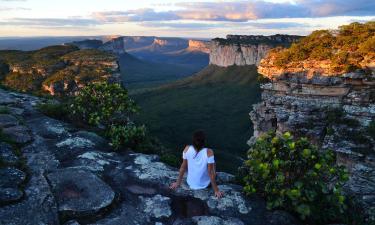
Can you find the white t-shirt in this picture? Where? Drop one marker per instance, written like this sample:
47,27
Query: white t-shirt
197,175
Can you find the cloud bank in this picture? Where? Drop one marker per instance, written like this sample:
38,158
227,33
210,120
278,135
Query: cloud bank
242,11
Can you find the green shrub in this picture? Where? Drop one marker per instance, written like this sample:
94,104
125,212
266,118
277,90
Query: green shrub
55,110
170,159
126,135
294,175
103,105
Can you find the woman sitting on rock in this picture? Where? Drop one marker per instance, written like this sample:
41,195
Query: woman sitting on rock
199,163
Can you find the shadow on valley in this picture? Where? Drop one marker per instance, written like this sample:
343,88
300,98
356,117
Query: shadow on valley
217,100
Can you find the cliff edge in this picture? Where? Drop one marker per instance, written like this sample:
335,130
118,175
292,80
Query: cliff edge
312,93
244,50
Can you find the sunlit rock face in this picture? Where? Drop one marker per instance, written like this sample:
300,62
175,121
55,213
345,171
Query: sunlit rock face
244,50
115,46
200,46
334,110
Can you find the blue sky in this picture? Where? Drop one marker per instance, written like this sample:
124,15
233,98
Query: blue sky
184,18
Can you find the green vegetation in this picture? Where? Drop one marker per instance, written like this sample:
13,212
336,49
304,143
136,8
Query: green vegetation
217,100
55,110
63,64
130,135
293,174
4,69
103,105
24,82
89,55
138,74
107,109
345,50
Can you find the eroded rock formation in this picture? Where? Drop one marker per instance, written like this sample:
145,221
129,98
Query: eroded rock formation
333,109
63,175
243,50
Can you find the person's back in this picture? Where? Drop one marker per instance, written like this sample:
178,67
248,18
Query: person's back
199,163
197,174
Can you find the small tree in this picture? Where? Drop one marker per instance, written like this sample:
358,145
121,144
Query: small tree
103,104
293,174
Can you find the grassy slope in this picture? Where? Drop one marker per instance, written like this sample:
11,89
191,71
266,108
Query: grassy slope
217,100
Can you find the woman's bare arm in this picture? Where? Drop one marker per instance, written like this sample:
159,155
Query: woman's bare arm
212,174
181,173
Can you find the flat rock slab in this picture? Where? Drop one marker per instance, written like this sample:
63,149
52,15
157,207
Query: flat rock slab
214,220
37,207
157,206
19,134
7,120
7,155
80,193
48,128
11,177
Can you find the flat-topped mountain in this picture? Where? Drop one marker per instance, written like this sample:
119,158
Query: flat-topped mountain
57,70
243,50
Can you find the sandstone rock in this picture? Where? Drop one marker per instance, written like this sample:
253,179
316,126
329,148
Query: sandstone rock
48,128
222,178
8,195
94,161
7,155
11,177
333,111
38,206
281,218
71,222
213,220
80,193
39,156
7,120
244,50
18,134
157,206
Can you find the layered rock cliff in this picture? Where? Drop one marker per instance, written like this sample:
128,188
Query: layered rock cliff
243,50
332,104
54,173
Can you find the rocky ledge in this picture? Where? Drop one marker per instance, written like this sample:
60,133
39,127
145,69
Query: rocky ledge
53,173
334,111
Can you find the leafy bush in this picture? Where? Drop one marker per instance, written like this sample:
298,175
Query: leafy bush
55,110
104,105
126,136
293,174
